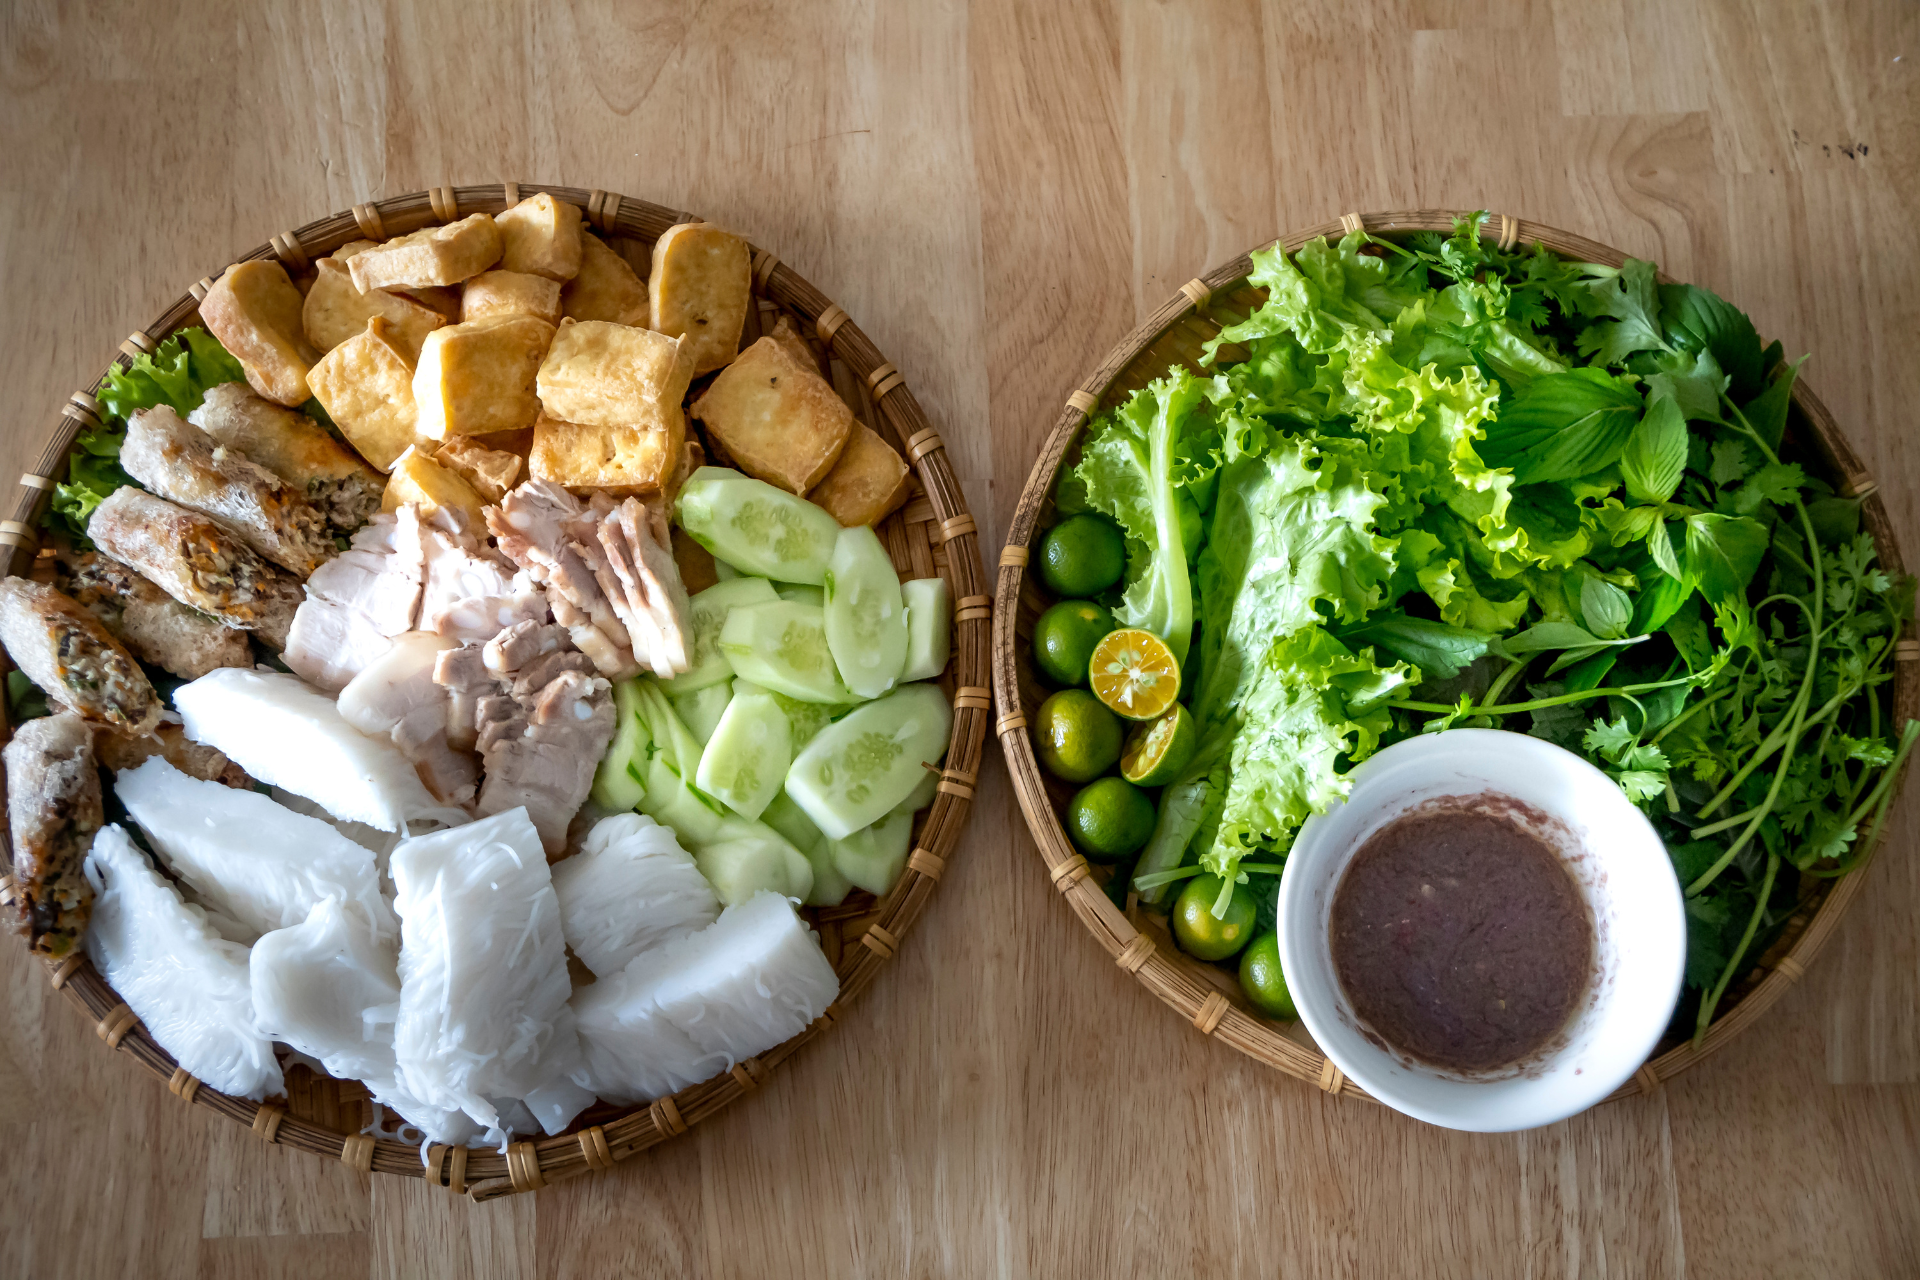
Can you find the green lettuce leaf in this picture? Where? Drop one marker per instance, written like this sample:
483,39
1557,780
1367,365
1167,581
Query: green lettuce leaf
1128,470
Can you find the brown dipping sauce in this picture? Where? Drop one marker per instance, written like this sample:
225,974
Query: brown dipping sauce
1460,937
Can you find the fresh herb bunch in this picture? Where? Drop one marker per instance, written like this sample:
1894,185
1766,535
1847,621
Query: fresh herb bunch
177,372
1437,483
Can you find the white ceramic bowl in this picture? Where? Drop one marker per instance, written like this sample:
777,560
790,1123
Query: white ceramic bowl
1621,867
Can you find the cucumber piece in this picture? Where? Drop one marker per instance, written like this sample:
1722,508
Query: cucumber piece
695,819
723,571
920,797
800,593
708,613
806,719
830,888
866,617
750,861
617,784
861,766
700,710
746,760
929,627
783,646
873,857
755,527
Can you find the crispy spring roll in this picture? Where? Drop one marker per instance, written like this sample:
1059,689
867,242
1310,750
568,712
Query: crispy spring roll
117,752
296,448
184,464
73,658
53,810
197,562
156,628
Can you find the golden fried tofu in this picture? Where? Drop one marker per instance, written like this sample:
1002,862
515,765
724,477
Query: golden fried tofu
607,287
613,375
699,291
776,417
430,256
518,442
790,340
366,386
510,293
867,485
353,247
491,472
623,460
541,237
335,310
419,479
255,312
478,376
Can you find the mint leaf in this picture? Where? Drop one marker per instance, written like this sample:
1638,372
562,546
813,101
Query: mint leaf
1606,608
1696,319
1563,426
1767,414
1627,296
1722,554
1656,452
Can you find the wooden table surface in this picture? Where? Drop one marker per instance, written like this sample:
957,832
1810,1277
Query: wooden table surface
996,192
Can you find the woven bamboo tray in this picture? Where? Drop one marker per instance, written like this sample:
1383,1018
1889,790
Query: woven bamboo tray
1202,994
933,533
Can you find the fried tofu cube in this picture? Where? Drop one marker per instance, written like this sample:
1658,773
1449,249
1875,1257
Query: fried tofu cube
366,386
778,419
613,375
867,485
699,291
518,442
478,376
541,237
419,479
491,472
510,293
336,311
443,300
352,247
607,287
789,338
623,460
254,310
430,256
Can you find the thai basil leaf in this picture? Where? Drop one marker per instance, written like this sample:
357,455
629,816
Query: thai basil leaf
1656,452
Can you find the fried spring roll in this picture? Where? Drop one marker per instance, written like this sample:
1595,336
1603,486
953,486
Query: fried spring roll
197,562
185,465
156,628
53,811
73,658
297,449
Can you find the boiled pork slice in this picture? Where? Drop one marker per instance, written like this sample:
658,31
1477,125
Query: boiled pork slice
396,696
358,601
531,525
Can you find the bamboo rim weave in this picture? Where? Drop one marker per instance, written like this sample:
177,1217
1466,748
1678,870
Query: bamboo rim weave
932,534
1207,996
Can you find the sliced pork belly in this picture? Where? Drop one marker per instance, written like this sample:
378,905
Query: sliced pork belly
531,524
358,601
395,696
645,586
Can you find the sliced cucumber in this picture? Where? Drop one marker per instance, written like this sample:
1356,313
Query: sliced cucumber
617,784
784,647
745,763
724,572
862,766
739,867
695,819
700,710
830,888
800,593
929,628
709,612
807,719
866,617
755,527
920,797
873,857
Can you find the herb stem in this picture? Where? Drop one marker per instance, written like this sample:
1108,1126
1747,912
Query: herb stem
1540,704
1746,940
1504,679
1715,828
1882,800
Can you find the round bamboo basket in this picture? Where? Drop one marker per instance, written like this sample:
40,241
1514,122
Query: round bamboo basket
1202,994
933,533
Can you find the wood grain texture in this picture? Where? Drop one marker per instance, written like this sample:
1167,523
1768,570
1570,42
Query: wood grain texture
997,191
